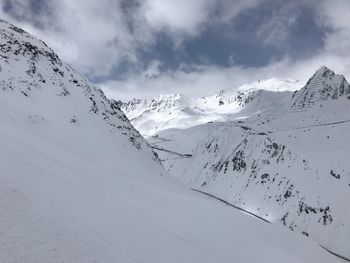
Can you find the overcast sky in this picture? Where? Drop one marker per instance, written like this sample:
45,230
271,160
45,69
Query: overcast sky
136,48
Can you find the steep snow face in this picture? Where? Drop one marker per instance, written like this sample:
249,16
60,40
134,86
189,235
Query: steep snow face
323,85
283,157
33,76
79,184
177,111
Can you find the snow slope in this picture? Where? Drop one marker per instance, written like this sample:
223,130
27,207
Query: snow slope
162,112
283,156
79,184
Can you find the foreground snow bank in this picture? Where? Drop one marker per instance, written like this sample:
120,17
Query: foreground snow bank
56,210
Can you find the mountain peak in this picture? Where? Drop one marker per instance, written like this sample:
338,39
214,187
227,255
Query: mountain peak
324,72
171,96
322,86
33,75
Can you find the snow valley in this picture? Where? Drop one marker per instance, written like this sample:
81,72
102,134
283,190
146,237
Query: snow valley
78,183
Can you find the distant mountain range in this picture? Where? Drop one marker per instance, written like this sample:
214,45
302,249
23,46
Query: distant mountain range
178,111
274,148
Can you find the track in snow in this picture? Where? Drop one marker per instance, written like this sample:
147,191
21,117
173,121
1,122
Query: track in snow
232,205
260,218
186,155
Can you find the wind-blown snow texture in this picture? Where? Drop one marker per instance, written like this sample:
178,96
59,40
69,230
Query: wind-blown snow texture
279,154
79,184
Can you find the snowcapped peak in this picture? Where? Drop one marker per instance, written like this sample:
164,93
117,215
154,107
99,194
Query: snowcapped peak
175,110
41,88
221,93
169,110
20,35
322,86
174,96
160,104
323,71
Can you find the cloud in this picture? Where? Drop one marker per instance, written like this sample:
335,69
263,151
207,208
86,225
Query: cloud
189,17
335,16
97,36
198,80
91,35
204,80
180,16
275,30
226,10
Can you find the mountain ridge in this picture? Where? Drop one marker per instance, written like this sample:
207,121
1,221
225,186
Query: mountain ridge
283,163
176,110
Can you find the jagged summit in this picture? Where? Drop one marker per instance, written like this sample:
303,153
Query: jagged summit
322,86
16,30
323,71
168,103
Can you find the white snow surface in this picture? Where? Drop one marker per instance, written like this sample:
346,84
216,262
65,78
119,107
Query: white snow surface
162,112
283,156
79,184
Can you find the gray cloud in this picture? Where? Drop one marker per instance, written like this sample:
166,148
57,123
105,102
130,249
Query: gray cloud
82,32
208,79
275,31
94,36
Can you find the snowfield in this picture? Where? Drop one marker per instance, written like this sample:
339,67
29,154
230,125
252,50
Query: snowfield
79,184
121,215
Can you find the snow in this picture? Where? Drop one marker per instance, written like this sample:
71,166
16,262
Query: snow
282,156
62,217
79,184
62,206
162,112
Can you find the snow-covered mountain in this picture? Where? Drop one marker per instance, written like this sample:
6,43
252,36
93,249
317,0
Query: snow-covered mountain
283,156
178,111
53,95
79,184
